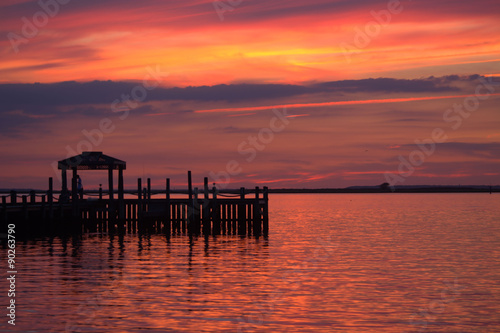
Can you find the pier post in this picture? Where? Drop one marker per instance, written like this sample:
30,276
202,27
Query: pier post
121,197
176,220
100,210
190,186
256,214
50,199
242,221
231,224
222,214
190,211
183,215
149,189
215,212
4,208
129,216
25,207
196,213
74,195
168,216
110,183
43,209
32,196
60,206
64,197
265,217
74,188
234,218
139,200
207,227
13,197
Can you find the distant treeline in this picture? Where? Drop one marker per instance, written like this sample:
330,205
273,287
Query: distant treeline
395,189
384,188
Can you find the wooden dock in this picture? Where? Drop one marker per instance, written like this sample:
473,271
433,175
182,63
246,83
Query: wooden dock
207,212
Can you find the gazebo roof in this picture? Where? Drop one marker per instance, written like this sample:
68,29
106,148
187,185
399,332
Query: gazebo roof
91,160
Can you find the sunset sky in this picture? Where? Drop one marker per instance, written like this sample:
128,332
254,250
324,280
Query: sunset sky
301,94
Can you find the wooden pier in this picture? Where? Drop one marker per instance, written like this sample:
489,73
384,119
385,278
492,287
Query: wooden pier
209,212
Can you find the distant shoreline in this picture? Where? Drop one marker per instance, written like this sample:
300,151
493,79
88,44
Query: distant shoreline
352,189
396,190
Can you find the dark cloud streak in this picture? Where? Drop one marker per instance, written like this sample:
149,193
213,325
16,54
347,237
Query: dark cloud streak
15,96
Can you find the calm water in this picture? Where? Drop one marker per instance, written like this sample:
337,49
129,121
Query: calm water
332,263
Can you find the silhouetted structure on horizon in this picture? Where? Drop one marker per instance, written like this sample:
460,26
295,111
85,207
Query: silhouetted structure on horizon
90,160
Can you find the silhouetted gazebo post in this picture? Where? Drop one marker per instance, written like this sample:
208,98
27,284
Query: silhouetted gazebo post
74,186
93,160
110,181
120,183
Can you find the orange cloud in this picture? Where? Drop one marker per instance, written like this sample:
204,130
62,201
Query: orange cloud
116,41
370,101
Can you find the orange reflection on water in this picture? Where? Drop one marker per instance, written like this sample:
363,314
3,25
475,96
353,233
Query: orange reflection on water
332,262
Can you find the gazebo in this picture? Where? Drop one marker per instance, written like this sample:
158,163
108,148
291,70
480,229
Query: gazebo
91,160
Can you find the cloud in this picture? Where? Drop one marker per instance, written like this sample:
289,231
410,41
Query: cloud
234,129
335,103
393,85
484,150
103,92
203,12
26,105
488,150
263,41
